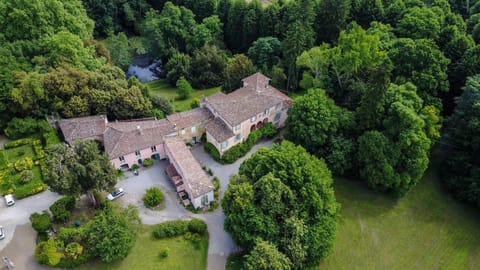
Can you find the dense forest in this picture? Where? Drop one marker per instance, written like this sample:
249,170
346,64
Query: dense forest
377,83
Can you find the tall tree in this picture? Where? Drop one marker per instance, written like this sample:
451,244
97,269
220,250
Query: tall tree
396,158
238,67
30,20
169,31
201,8
207,67
461,171
265,52
281,193
265,256
422,63
331,18
76,170
316,123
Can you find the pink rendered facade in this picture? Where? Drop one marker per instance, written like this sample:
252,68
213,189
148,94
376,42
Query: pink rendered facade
276,114
132,158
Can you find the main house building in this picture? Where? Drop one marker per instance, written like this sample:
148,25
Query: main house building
227,119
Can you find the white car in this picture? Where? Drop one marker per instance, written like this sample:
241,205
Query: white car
9,200
2,233
119,192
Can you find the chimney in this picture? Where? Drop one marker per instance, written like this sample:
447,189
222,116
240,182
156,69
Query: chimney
139,129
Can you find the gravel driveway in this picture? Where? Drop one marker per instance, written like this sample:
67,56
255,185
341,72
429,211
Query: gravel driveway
220,244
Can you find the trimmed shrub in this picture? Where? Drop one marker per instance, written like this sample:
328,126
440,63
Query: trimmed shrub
164,252
29,189
147,162
17,143
23,164
62,207
240,150
41,222
67,234
135,167
49,252
212,150
73,250
170,229
197,226
216,183
153,197
268,130
3,159
213,205
195,103
26,177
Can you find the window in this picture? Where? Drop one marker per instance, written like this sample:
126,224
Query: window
237,127
224,144
238,137
205,200
137,153
193,129
265,113
182,131
253,119
277,117
154,149
278,106
122,159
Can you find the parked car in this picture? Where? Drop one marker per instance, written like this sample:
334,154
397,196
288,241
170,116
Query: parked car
9,200
119,192
2,233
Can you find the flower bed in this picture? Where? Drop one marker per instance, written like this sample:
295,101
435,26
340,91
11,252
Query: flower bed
22,168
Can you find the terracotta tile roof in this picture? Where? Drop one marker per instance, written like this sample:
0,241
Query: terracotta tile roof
90,127
121,138
254,97
129,125
189,118
194,176
219,130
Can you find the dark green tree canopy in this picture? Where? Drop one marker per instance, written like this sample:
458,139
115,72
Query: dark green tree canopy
461,171
31,20
76,170
284,196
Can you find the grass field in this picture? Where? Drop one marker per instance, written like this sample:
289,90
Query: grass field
162,88
184,255
426,229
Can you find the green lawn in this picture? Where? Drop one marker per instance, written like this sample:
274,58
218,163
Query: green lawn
184,255
162,88
14,154
426,229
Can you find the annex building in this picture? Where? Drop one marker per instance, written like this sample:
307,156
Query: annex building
225,119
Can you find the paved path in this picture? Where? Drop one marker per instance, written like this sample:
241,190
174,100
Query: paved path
16,223
220,246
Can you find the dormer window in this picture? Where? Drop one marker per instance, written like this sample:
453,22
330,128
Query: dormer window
237,127
154,149
265,113
137,153
278,106
253,119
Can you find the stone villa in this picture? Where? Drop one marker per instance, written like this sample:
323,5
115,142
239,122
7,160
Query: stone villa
226,119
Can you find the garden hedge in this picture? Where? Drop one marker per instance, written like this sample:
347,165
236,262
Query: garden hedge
179,227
